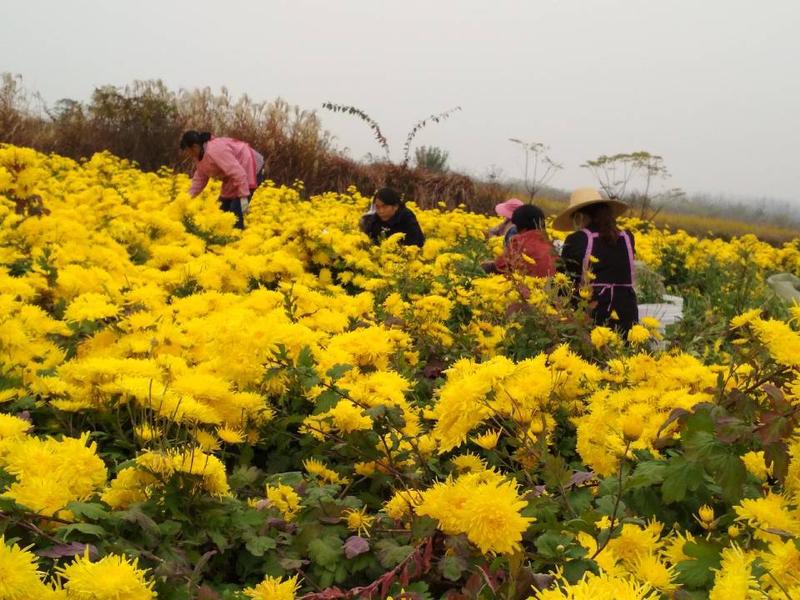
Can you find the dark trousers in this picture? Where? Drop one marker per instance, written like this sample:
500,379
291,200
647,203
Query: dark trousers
624,303
234,205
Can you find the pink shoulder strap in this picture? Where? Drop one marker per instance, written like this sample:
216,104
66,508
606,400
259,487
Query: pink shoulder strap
591,236
631,263
589,247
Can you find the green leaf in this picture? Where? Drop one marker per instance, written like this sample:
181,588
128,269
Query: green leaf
258,545
169,528
247,519
325,551
326,401
544,509
729,471
580,500
89,510
326,578
647,473
556,473
453,567
7,504
777,456
305,368
220,540
390,553
700,421
243,476
679,477
291,564
420,589
341,573
552,544
338,371
423,527
699,445
605,505
697,572
136,515
575,569
85,528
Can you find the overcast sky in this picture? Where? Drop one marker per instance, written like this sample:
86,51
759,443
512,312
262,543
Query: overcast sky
710,85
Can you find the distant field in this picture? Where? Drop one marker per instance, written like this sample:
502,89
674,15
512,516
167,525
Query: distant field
704,225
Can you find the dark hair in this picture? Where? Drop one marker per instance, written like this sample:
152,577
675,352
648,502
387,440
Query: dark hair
528,216
389,196
602,218
194,138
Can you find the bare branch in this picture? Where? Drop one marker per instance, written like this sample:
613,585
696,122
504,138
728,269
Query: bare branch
420,125
357,112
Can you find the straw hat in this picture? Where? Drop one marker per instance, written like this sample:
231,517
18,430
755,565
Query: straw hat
581,198
507,208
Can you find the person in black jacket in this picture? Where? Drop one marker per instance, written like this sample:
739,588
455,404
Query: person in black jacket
391,216
598,255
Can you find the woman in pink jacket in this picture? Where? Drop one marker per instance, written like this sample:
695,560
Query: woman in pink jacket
240,168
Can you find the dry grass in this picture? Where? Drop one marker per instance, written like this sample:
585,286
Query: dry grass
143,121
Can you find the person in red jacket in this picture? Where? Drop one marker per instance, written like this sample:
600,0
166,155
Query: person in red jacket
240,168
529,252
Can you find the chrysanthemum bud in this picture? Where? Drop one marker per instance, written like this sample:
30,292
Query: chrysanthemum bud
706,514
632,428
536,427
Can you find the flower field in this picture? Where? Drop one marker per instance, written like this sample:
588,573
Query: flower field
190,411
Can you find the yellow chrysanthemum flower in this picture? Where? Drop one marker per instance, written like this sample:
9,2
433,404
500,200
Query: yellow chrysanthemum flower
285,499
20,578
110,578
487,440
603,337
273,588
358,521
734,578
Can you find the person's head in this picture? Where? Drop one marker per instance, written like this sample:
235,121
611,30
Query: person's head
580,214
192,143
507,208
387,202
528,217
601,217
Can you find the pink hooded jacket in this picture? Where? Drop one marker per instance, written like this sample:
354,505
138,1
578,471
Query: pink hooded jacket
232,161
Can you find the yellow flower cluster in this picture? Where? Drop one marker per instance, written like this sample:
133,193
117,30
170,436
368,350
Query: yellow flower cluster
482,505
644,388
112,577
129,300
273,588
50,473
285,499
135,484
526,392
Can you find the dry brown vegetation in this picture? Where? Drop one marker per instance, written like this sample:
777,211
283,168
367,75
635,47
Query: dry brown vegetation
143,122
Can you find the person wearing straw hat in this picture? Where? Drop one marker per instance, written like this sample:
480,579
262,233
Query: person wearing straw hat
507,229
600,257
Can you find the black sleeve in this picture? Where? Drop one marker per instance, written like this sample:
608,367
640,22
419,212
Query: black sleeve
410,226
572,255
369,226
